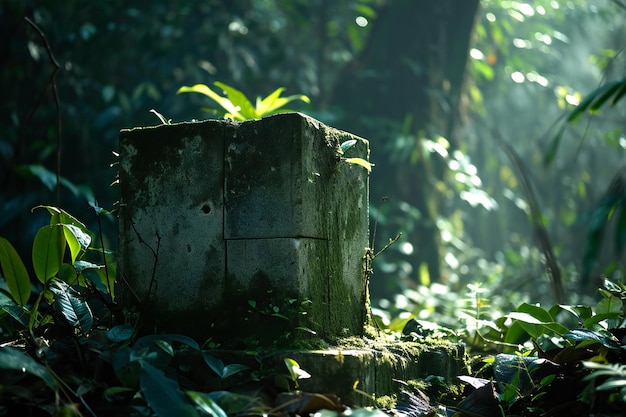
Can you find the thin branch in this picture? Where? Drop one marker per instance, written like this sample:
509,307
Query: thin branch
57,102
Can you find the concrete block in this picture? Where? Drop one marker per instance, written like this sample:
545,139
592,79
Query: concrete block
223,223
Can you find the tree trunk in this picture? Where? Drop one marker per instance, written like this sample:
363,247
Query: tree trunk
408,81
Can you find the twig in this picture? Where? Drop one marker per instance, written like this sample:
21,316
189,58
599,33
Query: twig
57,102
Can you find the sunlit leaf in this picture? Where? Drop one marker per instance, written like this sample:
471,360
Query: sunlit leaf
14,273
240,101
271,102
295,371
222,101
360,161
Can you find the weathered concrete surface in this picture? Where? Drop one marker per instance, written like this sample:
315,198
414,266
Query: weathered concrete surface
228,228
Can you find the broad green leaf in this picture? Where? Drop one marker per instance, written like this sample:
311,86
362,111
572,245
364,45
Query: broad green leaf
163,394
222,101
239,100
120,333
360,161
206,404
610,304
75,310
14,272
537,312
13,359
524,317
48,250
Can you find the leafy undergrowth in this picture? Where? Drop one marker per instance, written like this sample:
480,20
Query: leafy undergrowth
67,350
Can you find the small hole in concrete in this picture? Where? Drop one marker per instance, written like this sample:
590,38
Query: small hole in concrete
206,209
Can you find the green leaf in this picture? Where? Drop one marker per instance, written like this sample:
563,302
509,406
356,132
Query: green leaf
583,335
347,145
206,404
214,363
77,240
270,103
295,371
165,347
360,161
233,369
224,102
75,310
19,313
537,312
13,359
595,99
602,98
239,99
163,394
120,333
48,250
273,102
14,272
609,305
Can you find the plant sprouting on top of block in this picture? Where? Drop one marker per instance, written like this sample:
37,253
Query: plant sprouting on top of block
237,106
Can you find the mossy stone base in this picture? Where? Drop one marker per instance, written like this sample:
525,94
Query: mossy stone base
374,370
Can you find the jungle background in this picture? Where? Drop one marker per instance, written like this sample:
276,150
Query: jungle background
463,102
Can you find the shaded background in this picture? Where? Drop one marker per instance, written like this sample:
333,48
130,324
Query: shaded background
434,86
